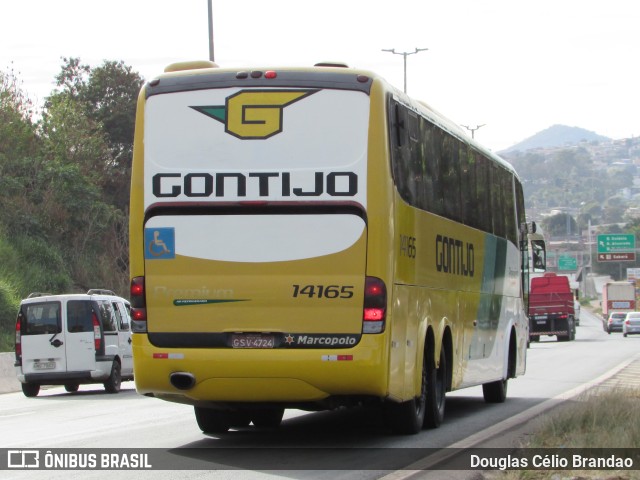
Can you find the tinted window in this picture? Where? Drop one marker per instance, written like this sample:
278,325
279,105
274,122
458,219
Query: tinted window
41,318
122,316
79,316
107,316
436,171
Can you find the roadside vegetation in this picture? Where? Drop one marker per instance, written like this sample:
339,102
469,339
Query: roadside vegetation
600,418
64,184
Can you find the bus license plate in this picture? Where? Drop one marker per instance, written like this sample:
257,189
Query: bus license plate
44,365
252,341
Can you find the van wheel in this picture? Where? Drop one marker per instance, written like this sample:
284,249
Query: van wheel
211,420
112,385
71,387
407,418
436,391
267,417
30,389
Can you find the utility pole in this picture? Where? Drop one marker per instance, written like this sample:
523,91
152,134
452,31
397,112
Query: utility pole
404,54
211,56
473,130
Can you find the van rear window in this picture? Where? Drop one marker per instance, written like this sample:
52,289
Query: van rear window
79,316
41,318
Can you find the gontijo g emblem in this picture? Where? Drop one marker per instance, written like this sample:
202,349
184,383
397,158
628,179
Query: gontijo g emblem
254,114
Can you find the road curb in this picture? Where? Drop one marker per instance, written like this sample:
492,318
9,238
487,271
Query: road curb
422,468
8,381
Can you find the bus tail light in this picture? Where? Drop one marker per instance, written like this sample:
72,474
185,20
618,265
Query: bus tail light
138,306
97,333
375,305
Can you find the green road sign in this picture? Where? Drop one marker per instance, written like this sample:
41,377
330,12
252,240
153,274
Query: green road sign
617,243
567,262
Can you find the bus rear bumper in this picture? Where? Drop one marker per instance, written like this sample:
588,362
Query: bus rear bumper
200,376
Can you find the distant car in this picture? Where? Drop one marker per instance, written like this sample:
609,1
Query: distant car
631,324
614,322
576,309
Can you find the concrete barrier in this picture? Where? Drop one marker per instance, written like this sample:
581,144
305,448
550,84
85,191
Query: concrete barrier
8,380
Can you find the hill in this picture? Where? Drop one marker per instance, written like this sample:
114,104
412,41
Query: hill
557,136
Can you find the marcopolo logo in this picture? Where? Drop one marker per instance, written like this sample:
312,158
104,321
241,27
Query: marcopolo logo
309,340
254,114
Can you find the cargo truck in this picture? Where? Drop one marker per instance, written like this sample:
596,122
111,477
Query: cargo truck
551,308
618,297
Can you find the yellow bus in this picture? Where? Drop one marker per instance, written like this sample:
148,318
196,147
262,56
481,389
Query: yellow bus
314,238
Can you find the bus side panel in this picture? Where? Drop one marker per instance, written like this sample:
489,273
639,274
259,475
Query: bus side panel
470,281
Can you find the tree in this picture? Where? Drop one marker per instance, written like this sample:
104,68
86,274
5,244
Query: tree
561,224
107,95
20,158
111,96
87,128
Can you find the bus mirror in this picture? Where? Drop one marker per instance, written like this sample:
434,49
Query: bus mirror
538,255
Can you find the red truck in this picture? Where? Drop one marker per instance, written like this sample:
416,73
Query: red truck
551,308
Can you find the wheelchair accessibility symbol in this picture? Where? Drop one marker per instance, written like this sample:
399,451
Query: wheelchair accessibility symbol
159,243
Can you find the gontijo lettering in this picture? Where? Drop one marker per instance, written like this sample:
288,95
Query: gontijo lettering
335,184
454,256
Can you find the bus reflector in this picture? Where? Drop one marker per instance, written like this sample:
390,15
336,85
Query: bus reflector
375,305
270,74
337,358
168,356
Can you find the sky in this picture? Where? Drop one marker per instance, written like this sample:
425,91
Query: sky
516,67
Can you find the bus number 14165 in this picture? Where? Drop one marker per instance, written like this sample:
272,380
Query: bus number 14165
322,291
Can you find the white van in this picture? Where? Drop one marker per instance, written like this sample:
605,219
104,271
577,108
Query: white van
73,339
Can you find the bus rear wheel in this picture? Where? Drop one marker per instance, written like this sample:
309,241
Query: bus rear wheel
407,418
436,391
267,417
495,392
211,420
